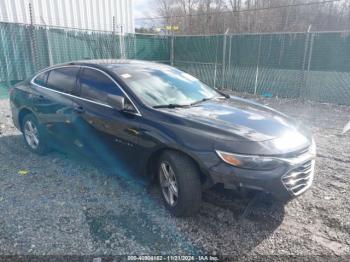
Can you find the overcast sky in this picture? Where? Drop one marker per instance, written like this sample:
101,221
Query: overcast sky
144,8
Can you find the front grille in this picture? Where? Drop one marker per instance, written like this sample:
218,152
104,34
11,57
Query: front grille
299,179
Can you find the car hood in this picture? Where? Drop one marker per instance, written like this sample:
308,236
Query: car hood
237,119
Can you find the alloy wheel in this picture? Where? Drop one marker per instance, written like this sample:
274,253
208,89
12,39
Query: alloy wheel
31,134
168,183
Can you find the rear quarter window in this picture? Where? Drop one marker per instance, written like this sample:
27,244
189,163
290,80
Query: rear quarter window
41,79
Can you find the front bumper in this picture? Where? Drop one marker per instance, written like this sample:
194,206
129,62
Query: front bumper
285,182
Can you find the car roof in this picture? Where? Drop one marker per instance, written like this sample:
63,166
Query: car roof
110,64
117,63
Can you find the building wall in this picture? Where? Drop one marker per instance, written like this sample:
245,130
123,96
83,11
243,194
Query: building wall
84,14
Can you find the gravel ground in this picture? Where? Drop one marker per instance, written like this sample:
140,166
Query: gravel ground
65,205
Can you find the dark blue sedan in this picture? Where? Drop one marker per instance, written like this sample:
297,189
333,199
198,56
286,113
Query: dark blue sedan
158,121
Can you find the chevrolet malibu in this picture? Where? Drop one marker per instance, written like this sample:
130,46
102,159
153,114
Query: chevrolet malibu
157,121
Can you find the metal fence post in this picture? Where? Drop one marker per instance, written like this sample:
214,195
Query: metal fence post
257,67
215,74
49,51
32,38
311,49
172,52
223,82
229,61
121,43
114,47
135,45
306,50
216,63
48,44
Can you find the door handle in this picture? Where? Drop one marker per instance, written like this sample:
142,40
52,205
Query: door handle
79,109
40,97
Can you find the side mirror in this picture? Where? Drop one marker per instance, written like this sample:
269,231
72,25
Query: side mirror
116,102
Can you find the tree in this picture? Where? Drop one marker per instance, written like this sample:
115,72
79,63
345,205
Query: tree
215,16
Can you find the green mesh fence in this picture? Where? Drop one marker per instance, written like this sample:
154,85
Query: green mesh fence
202,56
25,49
313,66
147,47
267,64
15,53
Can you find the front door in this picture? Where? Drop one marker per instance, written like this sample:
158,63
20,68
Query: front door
110,135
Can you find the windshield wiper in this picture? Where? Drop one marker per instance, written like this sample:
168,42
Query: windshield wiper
206,99
201,101
171,106
192,104
222,93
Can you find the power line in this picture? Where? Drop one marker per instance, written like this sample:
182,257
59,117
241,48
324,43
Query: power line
239,11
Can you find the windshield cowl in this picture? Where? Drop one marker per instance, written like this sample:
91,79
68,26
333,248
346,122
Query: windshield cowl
171,106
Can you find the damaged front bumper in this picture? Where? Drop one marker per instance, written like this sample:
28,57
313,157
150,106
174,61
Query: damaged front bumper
285,182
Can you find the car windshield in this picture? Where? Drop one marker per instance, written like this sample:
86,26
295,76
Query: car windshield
158,87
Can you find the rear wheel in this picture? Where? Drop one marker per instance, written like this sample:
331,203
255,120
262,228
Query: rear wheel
34,134
180,183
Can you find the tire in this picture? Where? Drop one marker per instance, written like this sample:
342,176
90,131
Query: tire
186,179
34,134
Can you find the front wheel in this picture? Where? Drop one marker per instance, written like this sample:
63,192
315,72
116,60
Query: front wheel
33,134
180,183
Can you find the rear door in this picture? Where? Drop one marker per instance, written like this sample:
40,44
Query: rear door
106,132
52,101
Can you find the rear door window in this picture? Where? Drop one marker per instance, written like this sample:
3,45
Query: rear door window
63,79
95,86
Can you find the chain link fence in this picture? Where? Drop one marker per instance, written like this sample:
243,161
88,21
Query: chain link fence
25,49
310,65
306,65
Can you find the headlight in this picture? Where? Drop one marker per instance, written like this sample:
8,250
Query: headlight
265,163
249,162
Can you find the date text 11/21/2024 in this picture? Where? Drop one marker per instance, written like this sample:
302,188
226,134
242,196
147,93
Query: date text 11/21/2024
173,258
